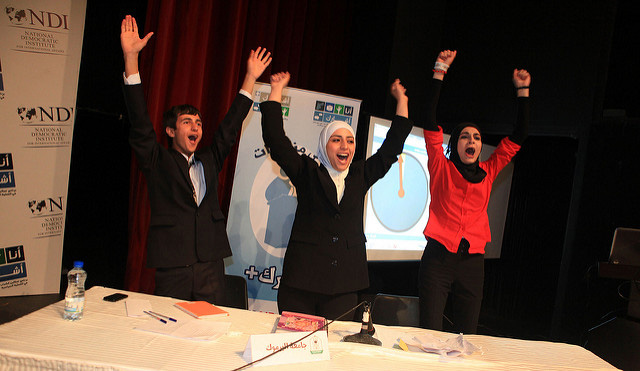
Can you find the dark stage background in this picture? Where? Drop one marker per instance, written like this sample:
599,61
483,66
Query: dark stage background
575,179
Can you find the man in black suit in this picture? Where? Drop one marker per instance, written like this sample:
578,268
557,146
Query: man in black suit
187,238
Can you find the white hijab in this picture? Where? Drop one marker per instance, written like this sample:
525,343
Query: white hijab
325,135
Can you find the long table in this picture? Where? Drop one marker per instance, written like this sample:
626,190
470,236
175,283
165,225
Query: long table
107,339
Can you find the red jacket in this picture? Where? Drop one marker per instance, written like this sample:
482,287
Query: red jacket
458,207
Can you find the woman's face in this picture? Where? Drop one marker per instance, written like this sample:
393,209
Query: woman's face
469,145
340,149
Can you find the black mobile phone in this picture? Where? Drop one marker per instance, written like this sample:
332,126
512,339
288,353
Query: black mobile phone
115,297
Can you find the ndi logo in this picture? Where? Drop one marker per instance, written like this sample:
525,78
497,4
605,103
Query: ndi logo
29,115
49,206
12,266
49,214
37,31
47,126
37,18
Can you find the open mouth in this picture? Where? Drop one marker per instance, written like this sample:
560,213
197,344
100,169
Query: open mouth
342,157
193,138
470,151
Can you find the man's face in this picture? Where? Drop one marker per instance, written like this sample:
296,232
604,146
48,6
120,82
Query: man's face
187,134
469,145
340,149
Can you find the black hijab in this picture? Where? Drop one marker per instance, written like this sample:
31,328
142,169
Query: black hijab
471,172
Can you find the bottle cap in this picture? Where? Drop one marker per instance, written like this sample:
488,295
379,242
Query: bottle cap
78,263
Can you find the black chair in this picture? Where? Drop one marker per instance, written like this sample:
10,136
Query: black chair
235,292
396,310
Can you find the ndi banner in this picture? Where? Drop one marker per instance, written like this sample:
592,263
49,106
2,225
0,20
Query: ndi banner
263,200
40,48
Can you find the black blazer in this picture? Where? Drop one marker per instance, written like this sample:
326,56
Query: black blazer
181,232
326,251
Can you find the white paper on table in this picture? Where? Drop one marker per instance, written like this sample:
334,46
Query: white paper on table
191,329
451,347
136,307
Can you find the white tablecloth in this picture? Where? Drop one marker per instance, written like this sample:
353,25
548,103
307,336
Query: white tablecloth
106,339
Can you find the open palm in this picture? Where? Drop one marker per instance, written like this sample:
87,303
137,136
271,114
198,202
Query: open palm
129,37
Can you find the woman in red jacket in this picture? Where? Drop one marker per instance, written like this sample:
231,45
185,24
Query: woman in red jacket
458,226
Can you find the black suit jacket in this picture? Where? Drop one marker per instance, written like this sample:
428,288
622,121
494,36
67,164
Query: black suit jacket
326,251
181,232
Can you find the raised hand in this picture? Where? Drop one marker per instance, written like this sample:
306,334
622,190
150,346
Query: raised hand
129,38
443,62
398,91
447,56
258,61
131,44
278,82
521,81
521,78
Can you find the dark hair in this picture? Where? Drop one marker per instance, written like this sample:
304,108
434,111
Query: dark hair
455,135
170,117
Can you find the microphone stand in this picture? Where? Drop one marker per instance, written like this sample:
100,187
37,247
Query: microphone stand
366,331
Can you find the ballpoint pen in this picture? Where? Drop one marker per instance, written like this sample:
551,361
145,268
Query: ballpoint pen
156,317
163,316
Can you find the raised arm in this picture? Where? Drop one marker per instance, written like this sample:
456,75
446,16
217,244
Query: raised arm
521,81
402,101
131,44
377,165
443,62
275,139
258,61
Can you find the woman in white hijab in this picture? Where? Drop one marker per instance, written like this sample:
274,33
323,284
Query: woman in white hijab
326,263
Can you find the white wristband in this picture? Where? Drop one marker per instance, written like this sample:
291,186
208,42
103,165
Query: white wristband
439,66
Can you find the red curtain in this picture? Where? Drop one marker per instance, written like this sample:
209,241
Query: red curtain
198,54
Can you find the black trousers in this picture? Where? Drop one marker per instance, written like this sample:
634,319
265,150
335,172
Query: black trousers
328,306
443,272
199,281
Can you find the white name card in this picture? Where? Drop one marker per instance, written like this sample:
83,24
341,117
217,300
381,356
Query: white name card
313,348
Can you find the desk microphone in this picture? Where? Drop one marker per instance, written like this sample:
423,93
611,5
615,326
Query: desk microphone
366,331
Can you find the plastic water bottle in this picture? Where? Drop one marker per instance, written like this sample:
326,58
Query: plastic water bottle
74,297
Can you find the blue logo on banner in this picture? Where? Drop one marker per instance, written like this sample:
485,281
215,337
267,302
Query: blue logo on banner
12,271
330,117
12,264
14,254
7,180
328,112
348,110
6,161
329,107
